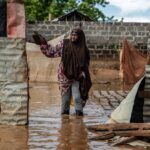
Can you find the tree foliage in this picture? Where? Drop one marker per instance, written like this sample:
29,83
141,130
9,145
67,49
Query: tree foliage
37,9
40,9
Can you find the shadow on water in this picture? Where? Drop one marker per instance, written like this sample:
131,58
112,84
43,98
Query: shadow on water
47,129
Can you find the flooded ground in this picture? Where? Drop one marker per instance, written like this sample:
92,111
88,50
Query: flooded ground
48,130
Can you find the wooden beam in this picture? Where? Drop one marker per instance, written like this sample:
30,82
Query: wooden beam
103,136
137,133
120,126
111,134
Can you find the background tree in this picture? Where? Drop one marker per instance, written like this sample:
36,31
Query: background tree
37,9
40,9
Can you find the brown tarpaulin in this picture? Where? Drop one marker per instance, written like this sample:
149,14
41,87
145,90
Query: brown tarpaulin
132,63
15,19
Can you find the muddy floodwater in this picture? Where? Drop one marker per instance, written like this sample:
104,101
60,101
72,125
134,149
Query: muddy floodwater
48,130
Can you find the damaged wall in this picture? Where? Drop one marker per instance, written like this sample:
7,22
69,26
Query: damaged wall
13,82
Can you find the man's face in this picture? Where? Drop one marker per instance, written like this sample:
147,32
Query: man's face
74,37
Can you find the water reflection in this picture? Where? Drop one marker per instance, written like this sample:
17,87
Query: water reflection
48,130
13,137
73,134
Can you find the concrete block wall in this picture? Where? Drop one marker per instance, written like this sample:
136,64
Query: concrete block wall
13,82
103,39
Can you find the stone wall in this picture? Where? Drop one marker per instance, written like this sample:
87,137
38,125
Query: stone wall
103,39
13,82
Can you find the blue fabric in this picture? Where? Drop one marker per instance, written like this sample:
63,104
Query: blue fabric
74,92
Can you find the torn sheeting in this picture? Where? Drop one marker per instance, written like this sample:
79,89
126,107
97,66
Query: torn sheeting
132,63
134,108
122,114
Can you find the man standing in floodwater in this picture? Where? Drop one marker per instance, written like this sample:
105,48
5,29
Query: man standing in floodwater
73,72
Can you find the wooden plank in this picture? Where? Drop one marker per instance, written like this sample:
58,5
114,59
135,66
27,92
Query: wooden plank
104,136
120,126
110,134
137,133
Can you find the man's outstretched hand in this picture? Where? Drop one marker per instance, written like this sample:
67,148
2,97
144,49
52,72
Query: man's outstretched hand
39,39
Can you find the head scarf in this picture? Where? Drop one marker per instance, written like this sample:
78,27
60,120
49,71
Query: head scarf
75,56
